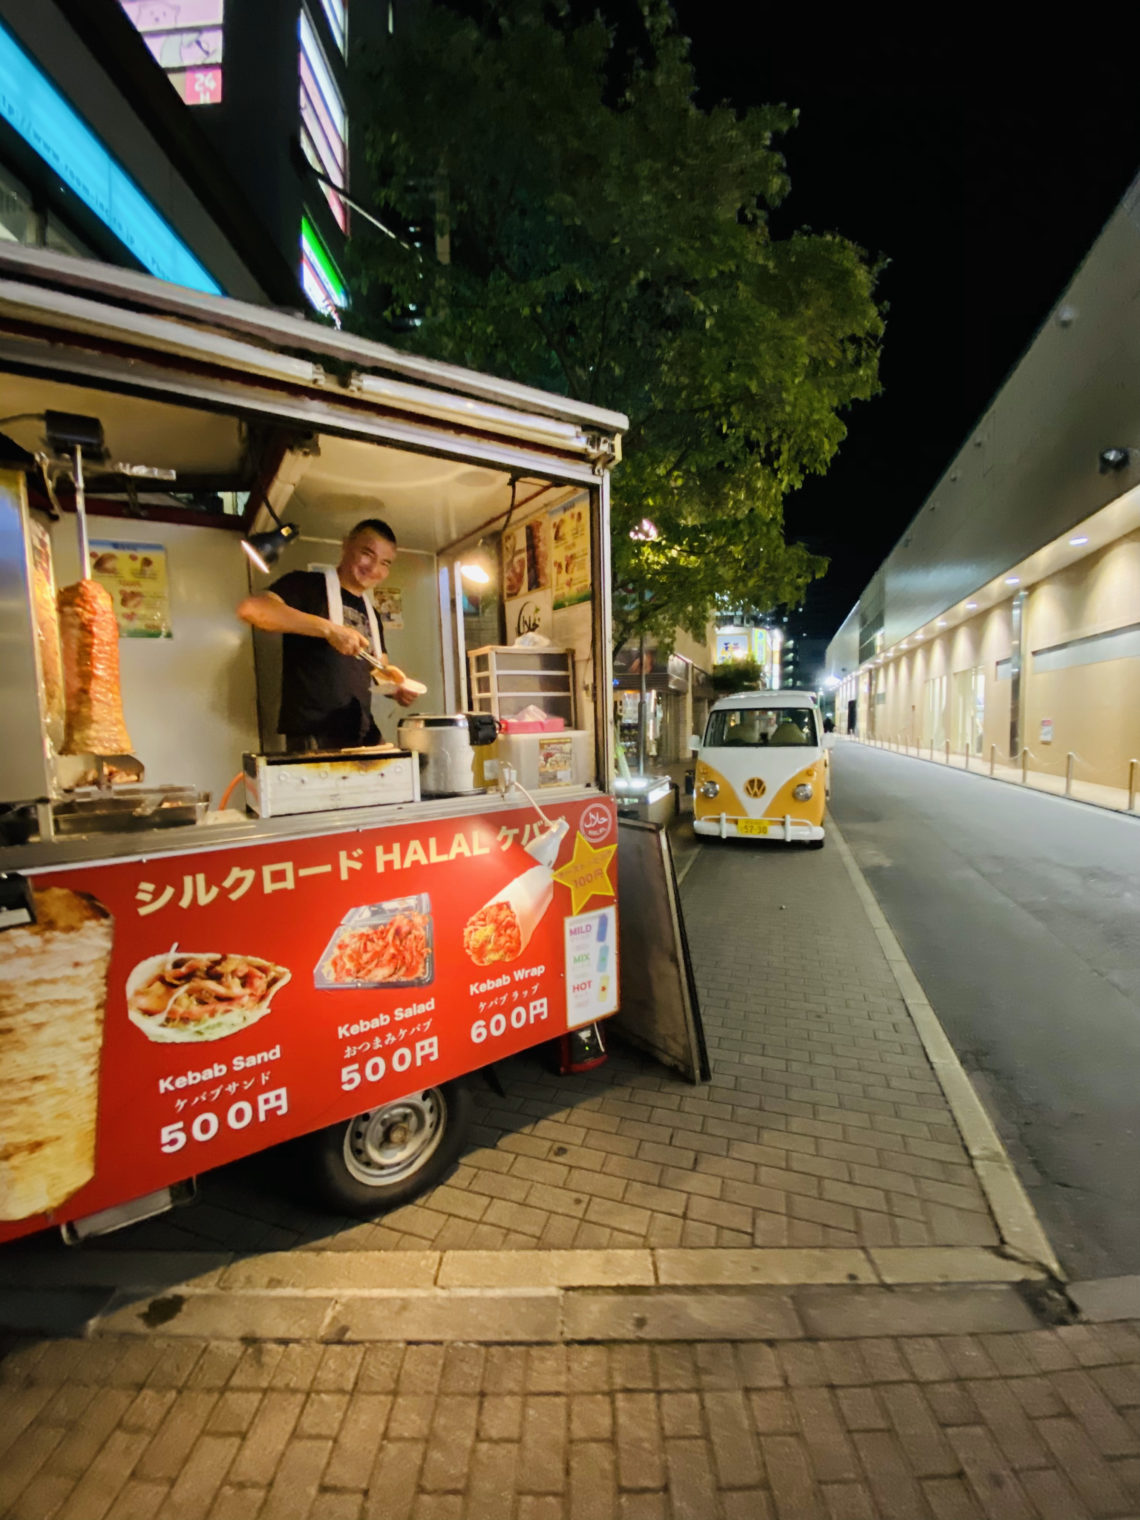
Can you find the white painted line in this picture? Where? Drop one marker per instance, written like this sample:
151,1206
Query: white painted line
682,870
1014,1215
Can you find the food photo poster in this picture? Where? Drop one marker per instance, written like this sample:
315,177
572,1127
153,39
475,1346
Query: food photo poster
135,575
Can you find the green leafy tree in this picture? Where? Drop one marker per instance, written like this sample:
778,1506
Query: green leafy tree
736,675
569,218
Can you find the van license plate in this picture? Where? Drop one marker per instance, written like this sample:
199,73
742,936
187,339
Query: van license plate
752,826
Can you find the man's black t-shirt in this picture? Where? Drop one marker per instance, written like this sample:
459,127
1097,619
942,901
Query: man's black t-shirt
324,694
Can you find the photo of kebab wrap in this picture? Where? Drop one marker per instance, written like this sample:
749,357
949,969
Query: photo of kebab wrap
184,997
53,992
502,928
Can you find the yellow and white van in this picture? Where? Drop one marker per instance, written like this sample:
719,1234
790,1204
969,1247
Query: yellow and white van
763,770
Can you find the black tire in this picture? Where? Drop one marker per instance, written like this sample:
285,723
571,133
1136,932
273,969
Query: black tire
387,1156
816,844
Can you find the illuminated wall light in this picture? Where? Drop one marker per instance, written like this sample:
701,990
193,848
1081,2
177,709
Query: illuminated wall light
1081,539
1013,580
971,606
324,120
322,283
942,622
35,109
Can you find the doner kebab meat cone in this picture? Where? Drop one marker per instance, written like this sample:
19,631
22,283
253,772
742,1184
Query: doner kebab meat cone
53,991
90,638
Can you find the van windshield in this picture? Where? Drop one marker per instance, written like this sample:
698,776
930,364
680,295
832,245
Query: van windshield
759,726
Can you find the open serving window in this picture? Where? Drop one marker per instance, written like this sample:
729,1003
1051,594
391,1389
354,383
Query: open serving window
217,421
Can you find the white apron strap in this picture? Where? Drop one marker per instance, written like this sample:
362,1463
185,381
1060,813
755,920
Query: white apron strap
336,609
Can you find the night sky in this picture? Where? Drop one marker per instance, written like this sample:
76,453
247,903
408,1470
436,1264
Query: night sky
983,169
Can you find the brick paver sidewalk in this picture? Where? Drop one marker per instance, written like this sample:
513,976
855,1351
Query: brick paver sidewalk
1042,1425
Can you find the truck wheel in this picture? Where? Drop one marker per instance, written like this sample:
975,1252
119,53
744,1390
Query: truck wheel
387,1156
816,844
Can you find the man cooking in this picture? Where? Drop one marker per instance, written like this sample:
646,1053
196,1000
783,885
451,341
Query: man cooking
328,621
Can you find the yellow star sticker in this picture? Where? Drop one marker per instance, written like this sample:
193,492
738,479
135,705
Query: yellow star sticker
587,874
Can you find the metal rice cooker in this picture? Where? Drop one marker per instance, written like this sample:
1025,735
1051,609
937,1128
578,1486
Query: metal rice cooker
446,744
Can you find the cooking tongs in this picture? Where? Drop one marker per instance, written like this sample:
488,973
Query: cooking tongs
417,688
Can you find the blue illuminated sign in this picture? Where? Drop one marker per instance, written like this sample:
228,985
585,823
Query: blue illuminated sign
31,104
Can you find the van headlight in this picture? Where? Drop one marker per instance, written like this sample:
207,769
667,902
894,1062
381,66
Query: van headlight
709,789
803,792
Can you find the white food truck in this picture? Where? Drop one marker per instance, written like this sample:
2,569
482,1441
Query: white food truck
209,945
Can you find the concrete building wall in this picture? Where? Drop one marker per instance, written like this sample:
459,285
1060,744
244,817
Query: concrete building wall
1023,511
1089,706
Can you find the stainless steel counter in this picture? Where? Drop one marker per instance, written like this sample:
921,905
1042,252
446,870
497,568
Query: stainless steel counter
55,854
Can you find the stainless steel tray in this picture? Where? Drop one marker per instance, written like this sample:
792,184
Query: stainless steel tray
129,809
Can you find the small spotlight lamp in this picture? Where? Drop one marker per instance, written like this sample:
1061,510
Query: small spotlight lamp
264,549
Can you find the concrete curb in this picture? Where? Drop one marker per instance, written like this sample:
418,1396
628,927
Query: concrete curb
1014,1215
509,1295
529,1314
364,1273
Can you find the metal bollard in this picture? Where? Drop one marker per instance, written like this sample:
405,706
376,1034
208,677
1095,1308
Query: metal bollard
948,752
1070,759
1025,766
1132,764
993,758
966,756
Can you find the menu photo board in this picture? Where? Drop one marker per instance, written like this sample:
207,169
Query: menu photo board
570,552
526,558
135,575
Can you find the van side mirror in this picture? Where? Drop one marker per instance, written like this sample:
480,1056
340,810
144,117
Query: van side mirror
694,741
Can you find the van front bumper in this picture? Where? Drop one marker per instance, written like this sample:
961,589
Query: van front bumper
788,829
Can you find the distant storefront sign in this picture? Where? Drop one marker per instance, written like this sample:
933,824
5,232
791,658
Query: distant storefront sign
742,644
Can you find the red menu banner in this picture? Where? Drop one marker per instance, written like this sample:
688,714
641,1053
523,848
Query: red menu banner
175,1013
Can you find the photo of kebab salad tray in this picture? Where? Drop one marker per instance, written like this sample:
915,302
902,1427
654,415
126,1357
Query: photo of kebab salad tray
388,944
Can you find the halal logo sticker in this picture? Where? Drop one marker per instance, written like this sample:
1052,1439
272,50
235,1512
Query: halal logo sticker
596,823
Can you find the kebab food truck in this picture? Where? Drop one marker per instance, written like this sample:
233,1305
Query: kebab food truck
208,945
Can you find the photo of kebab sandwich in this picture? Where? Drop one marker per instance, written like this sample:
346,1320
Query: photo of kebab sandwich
386,944
184,997
503,927
53,993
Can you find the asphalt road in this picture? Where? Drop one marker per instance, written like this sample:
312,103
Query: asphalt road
1020,914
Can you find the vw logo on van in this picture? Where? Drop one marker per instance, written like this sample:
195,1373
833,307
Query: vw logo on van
754,787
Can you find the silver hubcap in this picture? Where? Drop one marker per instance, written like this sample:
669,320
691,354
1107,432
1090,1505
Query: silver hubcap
385,1145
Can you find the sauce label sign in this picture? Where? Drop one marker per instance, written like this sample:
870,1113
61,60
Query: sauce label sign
176,1013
